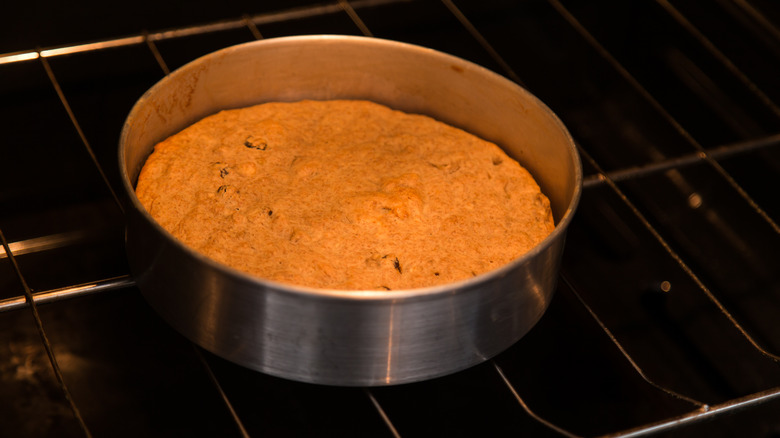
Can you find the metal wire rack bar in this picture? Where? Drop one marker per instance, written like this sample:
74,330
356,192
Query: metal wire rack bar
44,338
68,292
610,178
72,117
272,17
697,416
684,266
214,381
382,413
720,56
349,10
525,406
569,17
701,412
716,153
757,17
705,156
700,405
482,41
599,178
43,243
156,54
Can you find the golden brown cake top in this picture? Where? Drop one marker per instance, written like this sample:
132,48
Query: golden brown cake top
343,195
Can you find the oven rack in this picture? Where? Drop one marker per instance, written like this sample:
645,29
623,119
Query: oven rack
598,177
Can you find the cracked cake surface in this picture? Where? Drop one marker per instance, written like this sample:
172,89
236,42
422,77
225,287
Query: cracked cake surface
343,194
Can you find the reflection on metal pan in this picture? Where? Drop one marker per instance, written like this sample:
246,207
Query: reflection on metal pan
339,337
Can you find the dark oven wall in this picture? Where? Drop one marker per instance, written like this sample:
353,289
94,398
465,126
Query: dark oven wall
664,321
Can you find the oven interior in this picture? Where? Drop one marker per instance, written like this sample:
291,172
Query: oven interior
665,320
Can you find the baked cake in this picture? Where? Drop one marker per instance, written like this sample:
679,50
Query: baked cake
343,194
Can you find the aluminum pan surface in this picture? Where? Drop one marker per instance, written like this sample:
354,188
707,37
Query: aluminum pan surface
349,337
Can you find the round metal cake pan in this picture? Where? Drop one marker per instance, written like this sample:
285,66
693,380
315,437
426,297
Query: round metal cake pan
341,337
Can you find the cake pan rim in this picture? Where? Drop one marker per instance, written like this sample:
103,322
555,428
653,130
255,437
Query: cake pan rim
561,226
